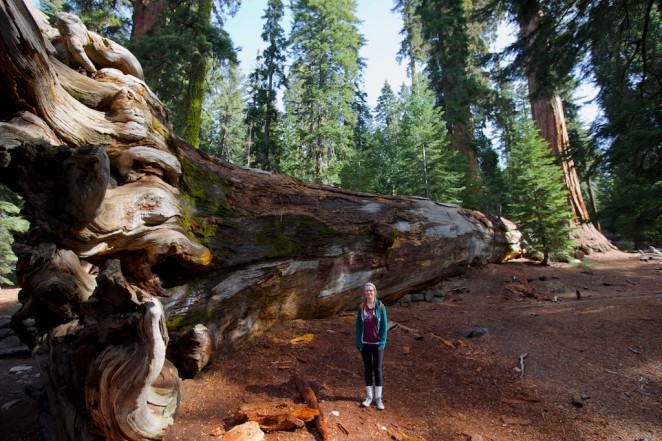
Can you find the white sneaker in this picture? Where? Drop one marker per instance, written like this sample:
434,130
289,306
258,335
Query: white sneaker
367,402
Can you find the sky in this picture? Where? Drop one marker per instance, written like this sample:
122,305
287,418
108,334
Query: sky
381,29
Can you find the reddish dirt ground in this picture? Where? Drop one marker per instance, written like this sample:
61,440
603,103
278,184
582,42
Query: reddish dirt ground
593,369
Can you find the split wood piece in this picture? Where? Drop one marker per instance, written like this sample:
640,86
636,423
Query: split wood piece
276,415
308,395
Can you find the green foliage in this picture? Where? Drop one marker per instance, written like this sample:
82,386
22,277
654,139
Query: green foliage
108,18
262,116
223,131
538,202
409,153
413,45
326,67
627,64
631,208
427,166
10,222
190,37
381,162
456,64
493,189
354,175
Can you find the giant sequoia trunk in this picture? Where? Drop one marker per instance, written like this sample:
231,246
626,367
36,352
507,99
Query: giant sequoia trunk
114,263
547,111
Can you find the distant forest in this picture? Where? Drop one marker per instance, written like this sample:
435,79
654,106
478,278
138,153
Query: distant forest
495,132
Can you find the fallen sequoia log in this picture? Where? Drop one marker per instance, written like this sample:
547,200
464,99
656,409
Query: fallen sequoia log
136,237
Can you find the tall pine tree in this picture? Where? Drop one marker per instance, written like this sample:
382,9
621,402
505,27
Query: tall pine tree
223,129
427,165
323,79
269,76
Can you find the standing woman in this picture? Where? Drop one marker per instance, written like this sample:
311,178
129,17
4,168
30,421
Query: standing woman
371,327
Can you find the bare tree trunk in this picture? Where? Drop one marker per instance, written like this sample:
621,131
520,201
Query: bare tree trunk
113,265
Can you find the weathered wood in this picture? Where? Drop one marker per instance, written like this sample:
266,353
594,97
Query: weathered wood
192,351
276,415
107,184
310,398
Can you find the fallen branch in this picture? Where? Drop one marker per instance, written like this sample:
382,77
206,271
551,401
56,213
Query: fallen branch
308,395
446,343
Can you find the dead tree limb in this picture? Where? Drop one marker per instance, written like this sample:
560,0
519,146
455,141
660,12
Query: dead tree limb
310,398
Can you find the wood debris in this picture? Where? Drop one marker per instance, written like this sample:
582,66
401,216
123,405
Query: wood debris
446,343
306,338
310,398
276,415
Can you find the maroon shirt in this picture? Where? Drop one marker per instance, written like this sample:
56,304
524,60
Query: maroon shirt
370,332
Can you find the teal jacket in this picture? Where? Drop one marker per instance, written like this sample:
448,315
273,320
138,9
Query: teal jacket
382,325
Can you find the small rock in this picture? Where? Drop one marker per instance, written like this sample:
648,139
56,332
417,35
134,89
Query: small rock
249,431
475,333
478,332
417,298
335,413
20,368
463,333
576,400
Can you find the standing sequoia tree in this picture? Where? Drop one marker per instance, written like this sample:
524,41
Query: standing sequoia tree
547,64
113,265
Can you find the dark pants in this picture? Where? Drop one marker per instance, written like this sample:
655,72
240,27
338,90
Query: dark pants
372,362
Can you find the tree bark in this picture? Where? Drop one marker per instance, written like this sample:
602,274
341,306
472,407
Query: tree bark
120,208
145,15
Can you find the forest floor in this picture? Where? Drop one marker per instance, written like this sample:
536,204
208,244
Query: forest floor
592,366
